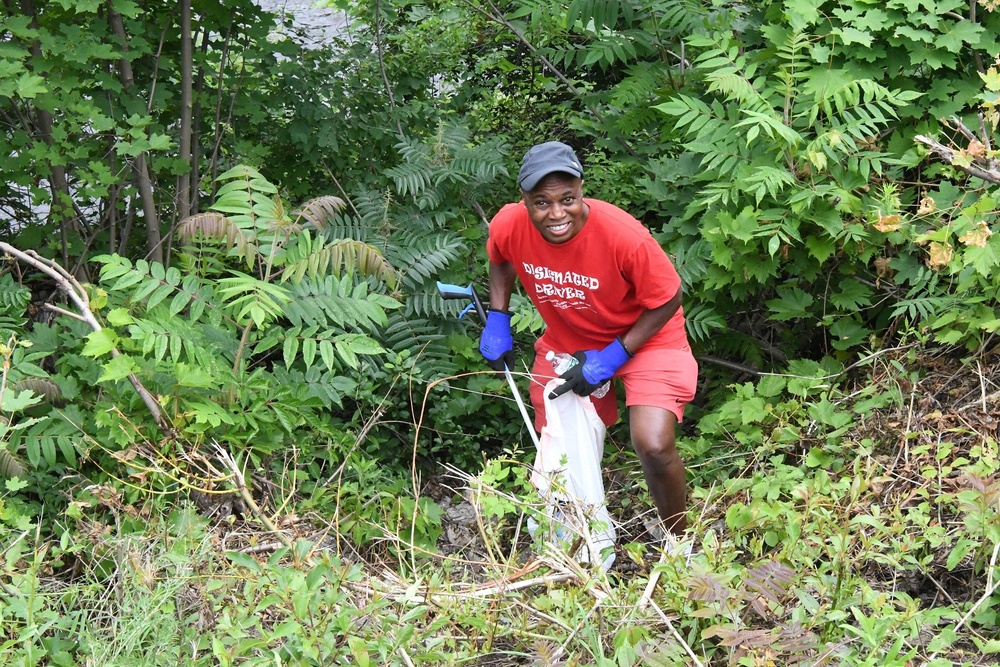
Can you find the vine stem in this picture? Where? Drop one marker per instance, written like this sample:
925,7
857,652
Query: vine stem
74,290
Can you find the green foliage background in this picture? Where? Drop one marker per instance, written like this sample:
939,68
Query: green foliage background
296,357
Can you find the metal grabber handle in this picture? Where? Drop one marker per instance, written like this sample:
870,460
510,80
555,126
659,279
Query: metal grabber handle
449,292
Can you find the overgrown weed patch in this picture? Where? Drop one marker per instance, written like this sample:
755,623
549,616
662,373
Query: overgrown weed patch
871,540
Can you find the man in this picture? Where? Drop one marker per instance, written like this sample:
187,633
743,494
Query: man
608,295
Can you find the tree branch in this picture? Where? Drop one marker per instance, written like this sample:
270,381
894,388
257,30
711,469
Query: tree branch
139,165
731,365
956,123
74,290
381,64
947,154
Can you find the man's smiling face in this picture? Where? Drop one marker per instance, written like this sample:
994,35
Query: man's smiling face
556,207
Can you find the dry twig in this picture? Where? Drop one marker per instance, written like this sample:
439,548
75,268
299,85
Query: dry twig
980,167
74,290
677,635
230,464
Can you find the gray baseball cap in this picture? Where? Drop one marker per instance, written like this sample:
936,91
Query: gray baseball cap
543,159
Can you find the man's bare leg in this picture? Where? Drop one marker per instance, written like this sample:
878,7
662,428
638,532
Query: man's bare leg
653,440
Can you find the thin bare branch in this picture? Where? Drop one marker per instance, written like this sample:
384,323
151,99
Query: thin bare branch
947,154
56,309
381,63
74,290
229,463
956,123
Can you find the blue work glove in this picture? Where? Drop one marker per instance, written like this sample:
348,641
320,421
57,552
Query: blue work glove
497,344
595,367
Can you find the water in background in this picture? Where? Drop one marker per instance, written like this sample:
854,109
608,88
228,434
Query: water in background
318,24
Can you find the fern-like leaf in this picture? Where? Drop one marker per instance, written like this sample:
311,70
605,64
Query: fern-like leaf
744,638
702,322
216,227
248,299
598,13
321,212
735,345
182,340
10,465
316,259
14,299
770,580
48,440
707,588
797,642
444,165
48,390
422,257
422,337
329,387
338,304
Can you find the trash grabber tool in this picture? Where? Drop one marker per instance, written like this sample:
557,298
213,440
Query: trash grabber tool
469,294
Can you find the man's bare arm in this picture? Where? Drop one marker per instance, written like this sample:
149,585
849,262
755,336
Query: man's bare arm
651,321
502,277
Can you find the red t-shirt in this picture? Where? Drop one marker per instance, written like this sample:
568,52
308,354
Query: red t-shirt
593,287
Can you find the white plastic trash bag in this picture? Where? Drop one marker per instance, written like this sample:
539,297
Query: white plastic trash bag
567,474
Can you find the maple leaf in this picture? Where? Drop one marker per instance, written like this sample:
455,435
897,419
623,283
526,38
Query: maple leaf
991,78
926,206
976,149
888,223
939,254
990,114
961,158
882,267
978,236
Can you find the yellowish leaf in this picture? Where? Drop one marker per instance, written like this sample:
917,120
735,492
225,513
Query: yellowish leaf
939,254
991,77
882,268
961,159
888,223
978,236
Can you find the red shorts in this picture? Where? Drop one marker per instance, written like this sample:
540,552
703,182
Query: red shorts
657,377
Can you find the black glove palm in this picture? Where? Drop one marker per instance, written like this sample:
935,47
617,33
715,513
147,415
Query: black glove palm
594,368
